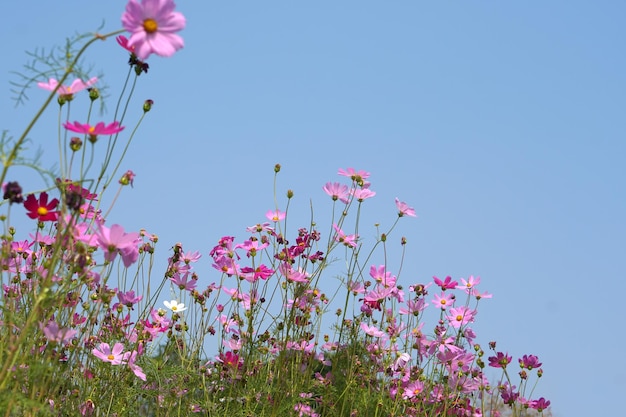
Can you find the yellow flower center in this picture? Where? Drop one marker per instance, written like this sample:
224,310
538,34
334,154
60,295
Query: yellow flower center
150,25
174,308
459,318
42,211
443,301
91,129
110,357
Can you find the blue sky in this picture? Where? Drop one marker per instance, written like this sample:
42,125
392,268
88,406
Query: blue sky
500,122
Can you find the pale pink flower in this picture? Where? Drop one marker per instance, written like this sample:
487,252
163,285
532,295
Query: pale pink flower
54,333
362,193
68,91
153,25
275,215
337,191
106,354
404,209
115,240
372,330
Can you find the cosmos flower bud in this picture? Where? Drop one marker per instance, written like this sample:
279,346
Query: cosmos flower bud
127,178
147,105
94,93
75,144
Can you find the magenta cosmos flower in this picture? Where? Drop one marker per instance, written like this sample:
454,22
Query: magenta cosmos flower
153,25
94,130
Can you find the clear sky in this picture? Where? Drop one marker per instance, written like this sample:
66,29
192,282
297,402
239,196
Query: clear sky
502,123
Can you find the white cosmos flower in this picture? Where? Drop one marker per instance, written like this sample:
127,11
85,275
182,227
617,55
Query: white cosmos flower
175,306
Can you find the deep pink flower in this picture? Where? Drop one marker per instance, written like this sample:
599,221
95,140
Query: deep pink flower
254,274
529,362
448,284
94,131
404,209
501,360
41,209
540,404
337,191
153,25
68,91
123,42
106,354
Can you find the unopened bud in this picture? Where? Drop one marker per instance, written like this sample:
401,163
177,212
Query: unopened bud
76,143
94,93
127,178
147,105
277,168
289,193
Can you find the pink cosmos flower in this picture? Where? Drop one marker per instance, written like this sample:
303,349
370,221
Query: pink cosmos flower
413,389
347,240
41,209
404,209
293,275
184,281
337,191
106,354
139,373
362,193
444,300
94,131
129,298
460,316
357,176
260,227
115,240
68,91
54,333
252,247
153,25
372,330
382,277
469,284
275,215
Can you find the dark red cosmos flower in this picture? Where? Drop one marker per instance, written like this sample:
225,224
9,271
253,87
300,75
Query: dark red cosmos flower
41,209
